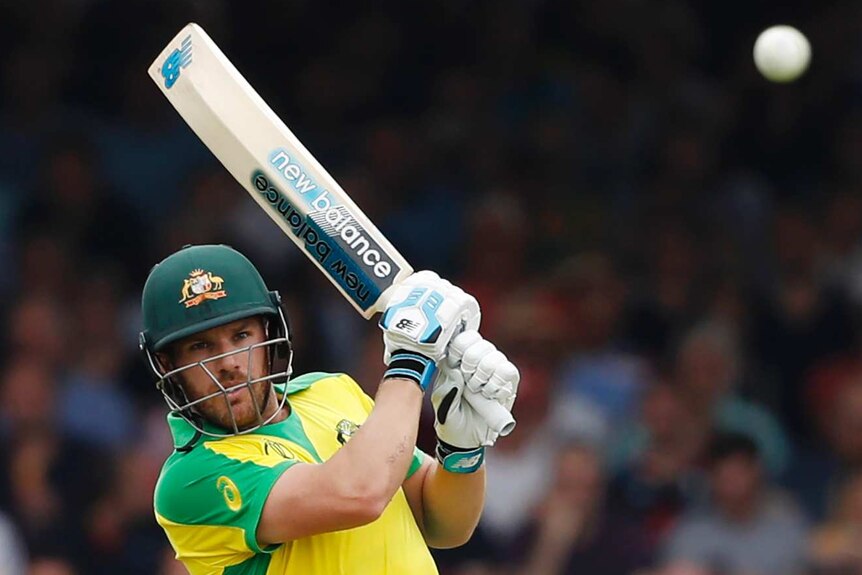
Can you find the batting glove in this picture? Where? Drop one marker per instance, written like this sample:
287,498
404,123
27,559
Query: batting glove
423,315
474,370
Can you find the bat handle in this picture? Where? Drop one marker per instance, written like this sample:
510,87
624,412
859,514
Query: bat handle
495,415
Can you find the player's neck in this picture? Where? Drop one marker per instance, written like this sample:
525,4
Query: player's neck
283,411
282,414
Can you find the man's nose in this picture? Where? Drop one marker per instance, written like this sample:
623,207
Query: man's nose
233,361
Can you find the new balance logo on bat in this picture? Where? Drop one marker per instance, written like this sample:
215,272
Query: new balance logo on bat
176,61
332,217
345,270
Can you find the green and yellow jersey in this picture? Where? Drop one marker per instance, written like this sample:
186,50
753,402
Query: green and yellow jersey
211,493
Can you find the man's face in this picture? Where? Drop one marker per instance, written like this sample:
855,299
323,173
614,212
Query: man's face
232,371
736,480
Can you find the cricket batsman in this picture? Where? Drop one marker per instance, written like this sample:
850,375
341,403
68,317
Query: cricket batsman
279,475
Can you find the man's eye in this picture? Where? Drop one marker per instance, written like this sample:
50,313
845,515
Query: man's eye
242,335
198,345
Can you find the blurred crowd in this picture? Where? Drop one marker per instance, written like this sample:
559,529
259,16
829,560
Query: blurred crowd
668,247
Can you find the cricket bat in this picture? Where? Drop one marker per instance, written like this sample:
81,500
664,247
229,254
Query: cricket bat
286,181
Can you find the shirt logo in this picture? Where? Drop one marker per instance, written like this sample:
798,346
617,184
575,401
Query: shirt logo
345,430
231,494
200,286
271,447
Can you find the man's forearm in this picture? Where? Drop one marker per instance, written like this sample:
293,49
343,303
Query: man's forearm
380,453
452,504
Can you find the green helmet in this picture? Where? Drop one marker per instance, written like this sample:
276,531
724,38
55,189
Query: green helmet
199,288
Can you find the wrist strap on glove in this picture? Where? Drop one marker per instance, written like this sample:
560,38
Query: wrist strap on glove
459,460
411,365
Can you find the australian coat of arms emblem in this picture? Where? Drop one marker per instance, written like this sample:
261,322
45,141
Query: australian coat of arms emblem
345,430
200,286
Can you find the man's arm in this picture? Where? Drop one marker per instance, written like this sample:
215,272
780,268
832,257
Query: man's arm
354,486
447,506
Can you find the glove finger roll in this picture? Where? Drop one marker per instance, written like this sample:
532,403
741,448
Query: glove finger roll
474,354
459,344
485,369
507,375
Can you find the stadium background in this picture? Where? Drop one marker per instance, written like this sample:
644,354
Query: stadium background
664,242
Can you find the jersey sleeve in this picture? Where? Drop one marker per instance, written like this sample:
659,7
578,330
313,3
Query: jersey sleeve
210,503
368,404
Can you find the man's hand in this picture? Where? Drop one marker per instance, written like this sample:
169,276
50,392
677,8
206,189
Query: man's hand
423,315
473,366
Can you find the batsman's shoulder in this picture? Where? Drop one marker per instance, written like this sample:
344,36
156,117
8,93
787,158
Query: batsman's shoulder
334,389
320,380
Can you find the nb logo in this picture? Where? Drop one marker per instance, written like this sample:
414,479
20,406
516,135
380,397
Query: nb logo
468,462
176,61
406,325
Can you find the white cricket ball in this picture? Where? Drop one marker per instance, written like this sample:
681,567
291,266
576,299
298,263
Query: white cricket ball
782,53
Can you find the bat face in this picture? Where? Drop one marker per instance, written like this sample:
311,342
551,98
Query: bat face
278,172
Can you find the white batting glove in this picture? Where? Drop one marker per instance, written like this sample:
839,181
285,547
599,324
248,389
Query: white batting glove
462,434
487,371
423,315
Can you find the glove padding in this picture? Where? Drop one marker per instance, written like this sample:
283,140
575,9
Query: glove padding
423,315
473,367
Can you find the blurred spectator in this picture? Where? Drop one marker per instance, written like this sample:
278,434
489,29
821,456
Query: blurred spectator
836,545
575,530
600,383
842,229
49,479
799,321
707,370
45,264
27,396
844,422
93,383
497,249
748,527
656,462
822,467
37,328
659,304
